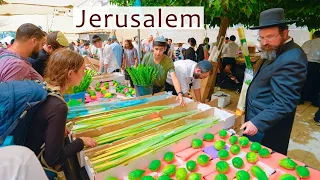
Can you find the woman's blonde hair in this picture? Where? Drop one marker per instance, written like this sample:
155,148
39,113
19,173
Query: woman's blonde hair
59,65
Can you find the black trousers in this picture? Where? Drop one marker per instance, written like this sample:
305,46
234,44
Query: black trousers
311,88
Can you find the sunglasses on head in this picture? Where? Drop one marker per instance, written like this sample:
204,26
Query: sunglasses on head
38,28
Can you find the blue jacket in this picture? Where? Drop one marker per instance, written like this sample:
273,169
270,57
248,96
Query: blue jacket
273,94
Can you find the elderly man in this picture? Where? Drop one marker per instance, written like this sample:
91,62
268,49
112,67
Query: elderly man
276,87
189,72
117,51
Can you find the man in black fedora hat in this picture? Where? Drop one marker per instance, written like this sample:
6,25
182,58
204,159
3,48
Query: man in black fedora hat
276,87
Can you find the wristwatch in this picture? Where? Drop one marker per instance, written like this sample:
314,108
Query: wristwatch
180,93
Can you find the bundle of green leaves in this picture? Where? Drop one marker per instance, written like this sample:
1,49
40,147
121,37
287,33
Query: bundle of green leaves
85,83
143,75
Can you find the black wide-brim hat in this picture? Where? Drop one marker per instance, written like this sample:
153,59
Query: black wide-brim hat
272,17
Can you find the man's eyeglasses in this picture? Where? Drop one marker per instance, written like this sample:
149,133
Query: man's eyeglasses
268,39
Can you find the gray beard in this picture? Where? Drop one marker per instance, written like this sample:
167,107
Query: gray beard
269,55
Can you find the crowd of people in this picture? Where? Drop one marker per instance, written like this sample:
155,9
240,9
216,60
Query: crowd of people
271,98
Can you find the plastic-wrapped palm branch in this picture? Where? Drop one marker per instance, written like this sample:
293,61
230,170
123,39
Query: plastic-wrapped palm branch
86,81
143,75
113,118
116,157
101,107
140,127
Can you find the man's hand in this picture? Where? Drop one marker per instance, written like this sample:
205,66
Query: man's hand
182,102
249,128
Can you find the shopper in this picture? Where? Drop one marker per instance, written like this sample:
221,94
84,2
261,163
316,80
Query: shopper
55,41
189,72
229,54
190,52
108,62
274,91
65,69
203,50
117,50
164,65
85,51
13,61
130,59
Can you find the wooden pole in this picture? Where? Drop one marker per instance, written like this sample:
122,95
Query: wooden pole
210,82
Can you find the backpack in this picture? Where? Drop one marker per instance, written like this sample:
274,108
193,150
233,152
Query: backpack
18,102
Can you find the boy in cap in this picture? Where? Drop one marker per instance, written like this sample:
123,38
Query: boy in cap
164,65
55,41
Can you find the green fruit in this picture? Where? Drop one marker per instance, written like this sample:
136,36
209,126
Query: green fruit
155,165
148,178
181,174
255,147
194,176
221,177
136,174
223,154
235,149
244,141
169,170
264,152
287,163
237,162
191,165
164,177
196,143
208,137
203,160
111,178
223,133
103,91
252,157
233,139
302,172
97,89
222,167
168,157
219,145
287,177
98,84
258,173
242,175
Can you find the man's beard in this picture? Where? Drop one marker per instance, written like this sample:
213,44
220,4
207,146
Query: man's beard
269,52
196,76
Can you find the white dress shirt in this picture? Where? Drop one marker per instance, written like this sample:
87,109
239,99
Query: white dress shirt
184,70
106,56
312,49
230,50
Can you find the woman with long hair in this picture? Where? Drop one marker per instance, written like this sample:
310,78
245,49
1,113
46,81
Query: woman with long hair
65,69
130,59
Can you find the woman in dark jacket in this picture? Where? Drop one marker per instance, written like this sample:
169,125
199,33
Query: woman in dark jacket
190,53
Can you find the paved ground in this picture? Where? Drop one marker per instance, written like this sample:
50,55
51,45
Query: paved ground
305,137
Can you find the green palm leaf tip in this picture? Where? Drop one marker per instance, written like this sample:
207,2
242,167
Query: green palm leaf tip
143,75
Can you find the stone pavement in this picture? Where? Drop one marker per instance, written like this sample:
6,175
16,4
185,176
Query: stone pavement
305,136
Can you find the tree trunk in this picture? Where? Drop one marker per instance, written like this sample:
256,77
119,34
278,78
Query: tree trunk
224,24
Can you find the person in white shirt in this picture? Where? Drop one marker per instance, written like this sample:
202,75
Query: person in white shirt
171,54
229,54
108,63
136,46
188,72
311,88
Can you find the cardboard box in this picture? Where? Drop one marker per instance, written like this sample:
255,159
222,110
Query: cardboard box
214,101
223,99
107,77
226,120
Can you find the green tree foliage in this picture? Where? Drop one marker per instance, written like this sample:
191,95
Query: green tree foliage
246,12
